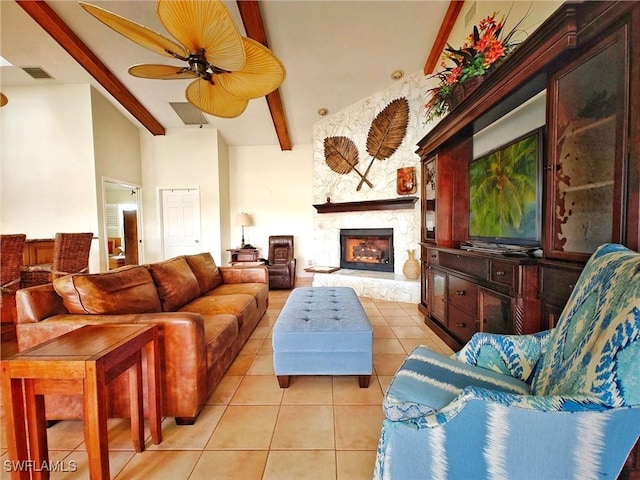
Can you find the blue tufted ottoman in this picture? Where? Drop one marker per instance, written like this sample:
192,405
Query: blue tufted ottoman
323,331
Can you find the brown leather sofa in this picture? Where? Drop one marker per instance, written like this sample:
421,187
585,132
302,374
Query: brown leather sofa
281,263
204,313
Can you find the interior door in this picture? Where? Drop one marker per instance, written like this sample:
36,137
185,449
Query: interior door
130,226
180,221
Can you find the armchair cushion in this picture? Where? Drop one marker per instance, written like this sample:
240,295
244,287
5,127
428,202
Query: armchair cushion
428,381
515,355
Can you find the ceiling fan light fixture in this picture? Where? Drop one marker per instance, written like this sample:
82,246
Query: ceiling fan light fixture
262,73
323,111
206,26
229,69
215,100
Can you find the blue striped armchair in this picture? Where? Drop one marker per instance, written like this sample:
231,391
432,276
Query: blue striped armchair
559,404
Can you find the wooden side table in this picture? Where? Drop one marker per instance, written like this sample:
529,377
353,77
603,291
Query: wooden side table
240,255
83,361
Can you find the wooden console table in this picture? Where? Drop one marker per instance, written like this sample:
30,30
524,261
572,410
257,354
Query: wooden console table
240,255
81,362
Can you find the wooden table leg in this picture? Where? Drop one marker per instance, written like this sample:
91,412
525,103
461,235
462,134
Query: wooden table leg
153,389
136,404
95,420
37,426
14,418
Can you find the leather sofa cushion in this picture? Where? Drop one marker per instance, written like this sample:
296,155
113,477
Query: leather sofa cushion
206,271
240,305
176,283
259,291
126,290
220,331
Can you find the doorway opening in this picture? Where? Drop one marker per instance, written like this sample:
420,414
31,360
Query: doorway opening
122,223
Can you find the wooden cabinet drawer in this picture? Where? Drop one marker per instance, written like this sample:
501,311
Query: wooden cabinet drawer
463,294
503,273
461,324
474,266
433,258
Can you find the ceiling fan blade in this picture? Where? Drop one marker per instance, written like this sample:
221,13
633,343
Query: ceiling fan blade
204,25
215,100
3,100
137,33
161,72
262,73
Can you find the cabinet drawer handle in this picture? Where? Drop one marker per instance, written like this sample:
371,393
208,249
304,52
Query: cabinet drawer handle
460,293
500,273
571,287
461,325
433,255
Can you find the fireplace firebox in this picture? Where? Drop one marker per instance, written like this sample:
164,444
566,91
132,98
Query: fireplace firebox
367,249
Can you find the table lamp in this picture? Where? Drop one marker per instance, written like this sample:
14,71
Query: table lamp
244,220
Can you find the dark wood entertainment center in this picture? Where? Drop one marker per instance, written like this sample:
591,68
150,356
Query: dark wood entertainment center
604,146
586,57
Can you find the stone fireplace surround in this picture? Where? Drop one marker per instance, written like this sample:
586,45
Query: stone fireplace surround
380,285
354,122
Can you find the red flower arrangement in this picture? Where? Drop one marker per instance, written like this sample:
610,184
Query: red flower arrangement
482,49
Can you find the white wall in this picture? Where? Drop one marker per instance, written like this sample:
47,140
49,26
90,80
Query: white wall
183,158
116,148
274,187
47,163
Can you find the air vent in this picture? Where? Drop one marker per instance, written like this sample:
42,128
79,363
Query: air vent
36,72
189,114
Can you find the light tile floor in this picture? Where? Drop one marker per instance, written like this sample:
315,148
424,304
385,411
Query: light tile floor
321,427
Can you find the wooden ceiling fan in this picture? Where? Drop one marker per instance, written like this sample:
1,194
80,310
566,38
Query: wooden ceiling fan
229,70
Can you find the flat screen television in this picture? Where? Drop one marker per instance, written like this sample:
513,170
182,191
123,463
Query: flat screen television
505,193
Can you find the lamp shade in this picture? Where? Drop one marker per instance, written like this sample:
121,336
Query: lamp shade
244,219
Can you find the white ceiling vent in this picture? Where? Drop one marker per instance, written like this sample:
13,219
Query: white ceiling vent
189,114
36,72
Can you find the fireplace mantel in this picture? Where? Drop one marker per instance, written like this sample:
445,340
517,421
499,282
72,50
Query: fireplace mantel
388,204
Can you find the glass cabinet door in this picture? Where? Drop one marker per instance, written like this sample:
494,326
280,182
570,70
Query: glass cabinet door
437,297
587,150
495,313
429,200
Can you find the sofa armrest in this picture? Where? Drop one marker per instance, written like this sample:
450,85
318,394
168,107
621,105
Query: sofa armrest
37,303
244,274
515,355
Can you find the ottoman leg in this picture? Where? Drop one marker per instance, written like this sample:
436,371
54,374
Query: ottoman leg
283,380
363,380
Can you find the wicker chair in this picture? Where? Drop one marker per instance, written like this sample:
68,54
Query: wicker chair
11,248
70,255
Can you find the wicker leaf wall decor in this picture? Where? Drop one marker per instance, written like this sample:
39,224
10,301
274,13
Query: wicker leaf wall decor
341,155
386,133
388,129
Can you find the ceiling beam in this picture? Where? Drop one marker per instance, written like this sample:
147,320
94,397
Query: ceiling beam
440,43
253,25
49,20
